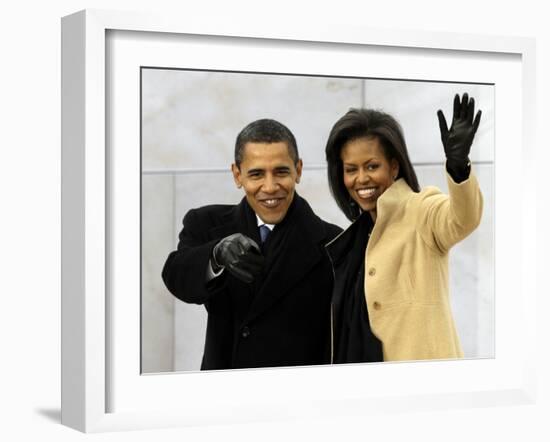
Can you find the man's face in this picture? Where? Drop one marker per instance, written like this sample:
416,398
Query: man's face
268,176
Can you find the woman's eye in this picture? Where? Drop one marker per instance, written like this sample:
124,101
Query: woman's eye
372,166
349,171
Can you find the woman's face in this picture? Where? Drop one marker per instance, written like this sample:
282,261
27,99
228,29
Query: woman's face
367,172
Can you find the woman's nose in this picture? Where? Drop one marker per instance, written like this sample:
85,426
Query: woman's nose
363,176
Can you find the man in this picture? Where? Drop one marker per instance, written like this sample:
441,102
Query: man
269,304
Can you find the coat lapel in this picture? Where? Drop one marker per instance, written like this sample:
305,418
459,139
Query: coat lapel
301,251
389,206
238,219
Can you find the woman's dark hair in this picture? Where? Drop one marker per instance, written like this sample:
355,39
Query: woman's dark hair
360,123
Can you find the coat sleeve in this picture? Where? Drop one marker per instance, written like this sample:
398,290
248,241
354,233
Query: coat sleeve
444,220
184,272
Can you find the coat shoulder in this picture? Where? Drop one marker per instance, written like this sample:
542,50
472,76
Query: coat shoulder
426,198
326,230
207,215
332,230
212,210
426,193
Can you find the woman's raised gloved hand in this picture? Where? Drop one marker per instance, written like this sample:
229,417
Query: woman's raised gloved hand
457,140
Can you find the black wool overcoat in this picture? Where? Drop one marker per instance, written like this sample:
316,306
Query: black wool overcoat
283,317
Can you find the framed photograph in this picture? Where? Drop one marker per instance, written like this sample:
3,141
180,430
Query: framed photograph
151,109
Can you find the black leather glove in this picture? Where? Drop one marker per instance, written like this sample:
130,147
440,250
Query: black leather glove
240,255
457,140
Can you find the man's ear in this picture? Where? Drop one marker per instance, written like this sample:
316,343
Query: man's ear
236,175
299,165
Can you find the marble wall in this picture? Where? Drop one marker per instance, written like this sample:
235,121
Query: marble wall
189,123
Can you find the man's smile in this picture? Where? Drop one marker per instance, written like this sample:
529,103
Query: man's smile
271,203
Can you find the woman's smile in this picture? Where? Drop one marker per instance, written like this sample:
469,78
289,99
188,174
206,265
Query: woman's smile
366,192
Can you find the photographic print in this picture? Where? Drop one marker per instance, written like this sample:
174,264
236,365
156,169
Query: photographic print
190,120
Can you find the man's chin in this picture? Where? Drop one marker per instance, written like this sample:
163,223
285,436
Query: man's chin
272,218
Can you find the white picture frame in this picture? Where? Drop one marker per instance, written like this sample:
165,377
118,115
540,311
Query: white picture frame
254,395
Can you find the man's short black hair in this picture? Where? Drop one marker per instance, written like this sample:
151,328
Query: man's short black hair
265,130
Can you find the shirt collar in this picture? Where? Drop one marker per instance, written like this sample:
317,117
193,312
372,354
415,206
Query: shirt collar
261,223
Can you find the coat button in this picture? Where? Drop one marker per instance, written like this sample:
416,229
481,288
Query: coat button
376,305
245,332
372,271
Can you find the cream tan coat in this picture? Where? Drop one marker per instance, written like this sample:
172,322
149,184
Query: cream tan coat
407,267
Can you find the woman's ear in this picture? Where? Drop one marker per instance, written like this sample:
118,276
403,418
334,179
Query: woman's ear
394,168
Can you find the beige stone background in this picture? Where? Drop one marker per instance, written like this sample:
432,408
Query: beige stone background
189,123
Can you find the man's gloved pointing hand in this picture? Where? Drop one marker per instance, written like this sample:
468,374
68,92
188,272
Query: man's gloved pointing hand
240,255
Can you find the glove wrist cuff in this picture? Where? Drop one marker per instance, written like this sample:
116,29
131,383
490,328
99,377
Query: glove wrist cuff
459,171
215,265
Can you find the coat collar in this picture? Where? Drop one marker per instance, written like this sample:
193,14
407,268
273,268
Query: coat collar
242,219
392,198
390,204
386,206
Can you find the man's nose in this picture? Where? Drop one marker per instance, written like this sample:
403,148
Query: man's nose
270,184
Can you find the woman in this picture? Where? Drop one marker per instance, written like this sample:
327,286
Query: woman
391,290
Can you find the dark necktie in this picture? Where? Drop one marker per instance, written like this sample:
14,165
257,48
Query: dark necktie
264,233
